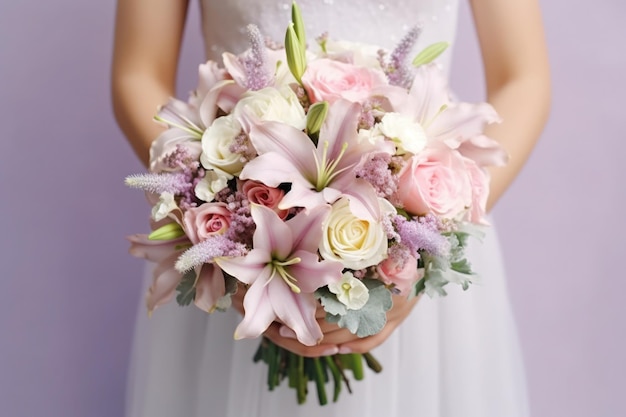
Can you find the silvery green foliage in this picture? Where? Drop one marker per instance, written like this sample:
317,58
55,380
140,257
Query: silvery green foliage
368,320
455,268
231,288
186,288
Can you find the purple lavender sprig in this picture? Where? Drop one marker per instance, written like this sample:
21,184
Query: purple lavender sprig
398,71
255,63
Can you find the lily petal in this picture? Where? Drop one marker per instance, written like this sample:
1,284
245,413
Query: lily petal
210,287
307,228
462,121
245,268
164,283
272,234
297,311
259,313
312,274
154,250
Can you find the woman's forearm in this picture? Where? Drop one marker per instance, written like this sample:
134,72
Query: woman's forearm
517,76
523,104
135,102
148,35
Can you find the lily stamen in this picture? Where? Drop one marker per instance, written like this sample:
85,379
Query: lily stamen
194,130
326,168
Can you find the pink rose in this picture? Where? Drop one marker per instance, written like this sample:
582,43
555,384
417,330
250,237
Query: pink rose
263,195
205,221
402,277
479,180
329,80
435,181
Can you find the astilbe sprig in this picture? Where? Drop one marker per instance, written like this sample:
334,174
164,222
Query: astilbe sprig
206,251
174,183
255,63
422,234
242,225
376,171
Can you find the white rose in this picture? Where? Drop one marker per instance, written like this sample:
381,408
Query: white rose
350,291
356,243
216,142
212,183
360,54
270,104
163,207
408,135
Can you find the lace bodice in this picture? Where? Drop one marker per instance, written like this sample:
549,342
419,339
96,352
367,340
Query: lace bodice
381,23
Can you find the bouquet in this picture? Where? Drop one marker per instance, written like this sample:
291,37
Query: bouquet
326,177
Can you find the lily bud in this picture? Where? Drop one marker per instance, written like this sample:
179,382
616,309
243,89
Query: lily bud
168,232
316,116
298,24
296,55
430,53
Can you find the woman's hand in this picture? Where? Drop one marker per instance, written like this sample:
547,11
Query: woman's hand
336,339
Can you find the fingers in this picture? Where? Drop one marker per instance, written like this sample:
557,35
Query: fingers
324,349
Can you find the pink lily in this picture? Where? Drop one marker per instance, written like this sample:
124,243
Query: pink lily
283,270
458,125
319,173
165,277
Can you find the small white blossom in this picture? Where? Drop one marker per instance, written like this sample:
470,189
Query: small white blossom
409,136
350,291
164,206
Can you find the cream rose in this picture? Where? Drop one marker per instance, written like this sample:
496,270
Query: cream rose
216,142
357,243
329,80
270,104
212,183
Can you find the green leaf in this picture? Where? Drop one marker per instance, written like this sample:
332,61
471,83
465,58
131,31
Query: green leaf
316,116
330,303
169,231
186,288
462,266
430,53
371,318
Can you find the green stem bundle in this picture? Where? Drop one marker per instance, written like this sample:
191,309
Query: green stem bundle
300,370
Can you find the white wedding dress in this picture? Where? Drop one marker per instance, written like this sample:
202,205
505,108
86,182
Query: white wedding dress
456,356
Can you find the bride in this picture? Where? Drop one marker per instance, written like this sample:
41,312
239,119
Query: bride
452,357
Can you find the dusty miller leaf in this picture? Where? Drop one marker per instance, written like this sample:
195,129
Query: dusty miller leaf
330,303
186,288
371,318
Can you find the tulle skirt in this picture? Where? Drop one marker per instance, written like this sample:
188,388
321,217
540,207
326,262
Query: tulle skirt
456,356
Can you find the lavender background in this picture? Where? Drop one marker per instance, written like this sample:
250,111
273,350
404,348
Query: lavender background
69,291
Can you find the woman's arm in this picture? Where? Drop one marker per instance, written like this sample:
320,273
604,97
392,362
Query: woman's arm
518,80
148,35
